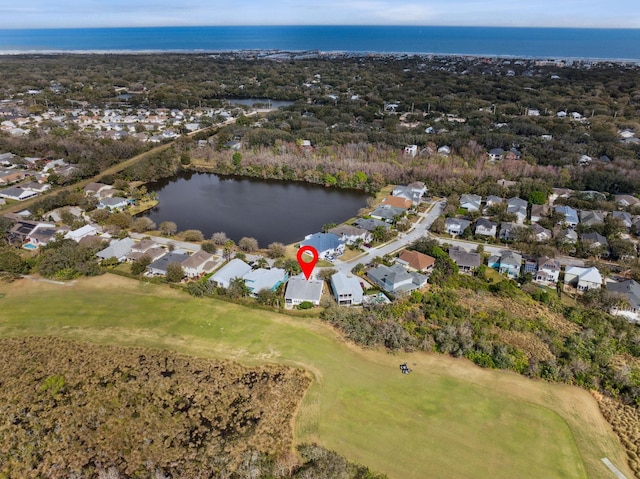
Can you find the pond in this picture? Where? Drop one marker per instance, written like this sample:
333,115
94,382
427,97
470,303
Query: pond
264,102
268,211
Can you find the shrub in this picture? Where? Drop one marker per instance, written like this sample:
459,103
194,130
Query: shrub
305,305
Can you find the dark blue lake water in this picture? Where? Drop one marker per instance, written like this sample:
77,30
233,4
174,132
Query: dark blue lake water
266,210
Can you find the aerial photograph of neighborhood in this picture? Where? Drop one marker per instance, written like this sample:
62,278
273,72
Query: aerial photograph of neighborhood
379,240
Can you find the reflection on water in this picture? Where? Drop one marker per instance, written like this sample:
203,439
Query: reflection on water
266,210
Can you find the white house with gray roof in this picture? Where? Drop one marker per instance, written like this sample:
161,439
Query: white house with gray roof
118,249
300,290
259,279
456,226
630,291
470,202
518,207
347,289
236,268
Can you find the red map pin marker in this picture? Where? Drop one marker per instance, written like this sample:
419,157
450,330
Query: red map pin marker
307,267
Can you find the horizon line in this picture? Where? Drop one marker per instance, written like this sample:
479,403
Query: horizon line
539,27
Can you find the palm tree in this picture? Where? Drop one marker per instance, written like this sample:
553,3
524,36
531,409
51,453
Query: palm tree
238,288
260,263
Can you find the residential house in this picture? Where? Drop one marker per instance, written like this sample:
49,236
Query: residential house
387,213
159,266
113,204
591,218
77,234
518,207
567,235
630,290
21,229
411,150
259,279
456,226
538,212
300,290
118,249
509,263
506,183
540,234
92,189
8,177
370,224
154,254
560,193
570,215
351,234
396,278
198,263
493,200
397,202
547,271
484,227
42,234
413,191
467,261
595,242
624,217
17,193
414,260
583,279
470,202
627,200
235,268
347,289
444,150
508,231
326,244
512,154
496,154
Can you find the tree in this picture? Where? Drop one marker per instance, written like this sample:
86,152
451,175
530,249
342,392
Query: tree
209,247
238,288
326,273
193,235
327,226
12,262
537,197
168,228
260,263
276,250
139,266
268,297
292,267
227,249
219,238
175,273
142,224
248,244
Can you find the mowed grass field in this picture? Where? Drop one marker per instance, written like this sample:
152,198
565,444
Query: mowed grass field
447,419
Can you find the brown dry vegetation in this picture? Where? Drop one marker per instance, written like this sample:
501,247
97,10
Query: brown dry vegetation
532,346
80,410
529,310
625,421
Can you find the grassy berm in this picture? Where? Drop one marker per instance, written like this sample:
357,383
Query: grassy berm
77,410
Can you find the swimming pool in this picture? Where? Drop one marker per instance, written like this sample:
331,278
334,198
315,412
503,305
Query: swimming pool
30,246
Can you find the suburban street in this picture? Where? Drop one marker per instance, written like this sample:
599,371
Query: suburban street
419,230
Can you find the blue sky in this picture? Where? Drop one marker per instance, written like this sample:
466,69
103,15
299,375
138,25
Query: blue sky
114,13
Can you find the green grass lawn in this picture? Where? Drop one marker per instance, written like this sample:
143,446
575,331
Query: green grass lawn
448,419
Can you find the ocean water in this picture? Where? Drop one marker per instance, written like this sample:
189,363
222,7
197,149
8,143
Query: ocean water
515,42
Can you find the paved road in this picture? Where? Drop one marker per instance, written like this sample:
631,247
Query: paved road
417,231
420,230
165,241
